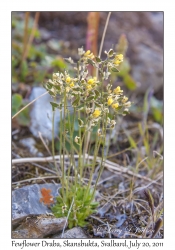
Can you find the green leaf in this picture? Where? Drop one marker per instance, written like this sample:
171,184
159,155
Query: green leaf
97,93
90,62
81,106
82,223
90,98
77,89
59,63
54,105
57,87
94,204
124,68
105,95
24,70
114,69
16,101
157,114
23,118
80,122
97,104
76,102
49,85
132,142
98,59
51,93
111,52
125,112
129,82
71,224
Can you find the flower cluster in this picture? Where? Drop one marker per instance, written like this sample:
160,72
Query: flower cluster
118,59
88,54
84,91
117,101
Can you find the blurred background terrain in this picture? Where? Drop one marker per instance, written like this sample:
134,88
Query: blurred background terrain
41,41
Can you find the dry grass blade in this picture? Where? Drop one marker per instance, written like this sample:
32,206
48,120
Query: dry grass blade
25,37
110,165
45,145
158,225
26,50
29,104
150,200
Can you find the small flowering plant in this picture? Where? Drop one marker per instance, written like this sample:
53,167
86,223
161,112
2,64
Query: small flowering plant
93,105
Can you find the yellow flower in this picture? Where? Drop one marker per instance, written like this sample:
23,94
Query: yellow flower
71,84
68,79
118,59
124,99
115,105
91,81
96,113
88,54
117,90
117,62
110,101
89,87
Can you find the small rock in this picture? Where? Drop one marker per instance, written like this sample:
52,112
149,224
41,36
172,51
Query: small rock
45,34
149,72
104,209
39,227
41,114
30,144
121,219
26,201
74,233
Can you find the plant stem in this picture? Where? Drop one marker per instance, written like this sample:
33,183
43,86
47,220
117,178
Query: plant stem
101,46
60,150
64,142
102,164
103,38
25,37
26,51
80,167
53,140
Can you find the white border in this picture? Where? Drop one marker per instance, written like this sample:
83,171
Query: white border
5,98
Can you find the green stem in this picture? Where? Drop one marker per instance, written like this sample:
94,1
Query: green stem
71,131
80,170
60,151
102,158
53,140
64,143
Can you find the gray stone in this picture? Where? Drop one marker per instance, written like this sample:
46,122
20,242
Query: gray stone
41,114
121,219
39,227
149,72
30,144
74,233
26,201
